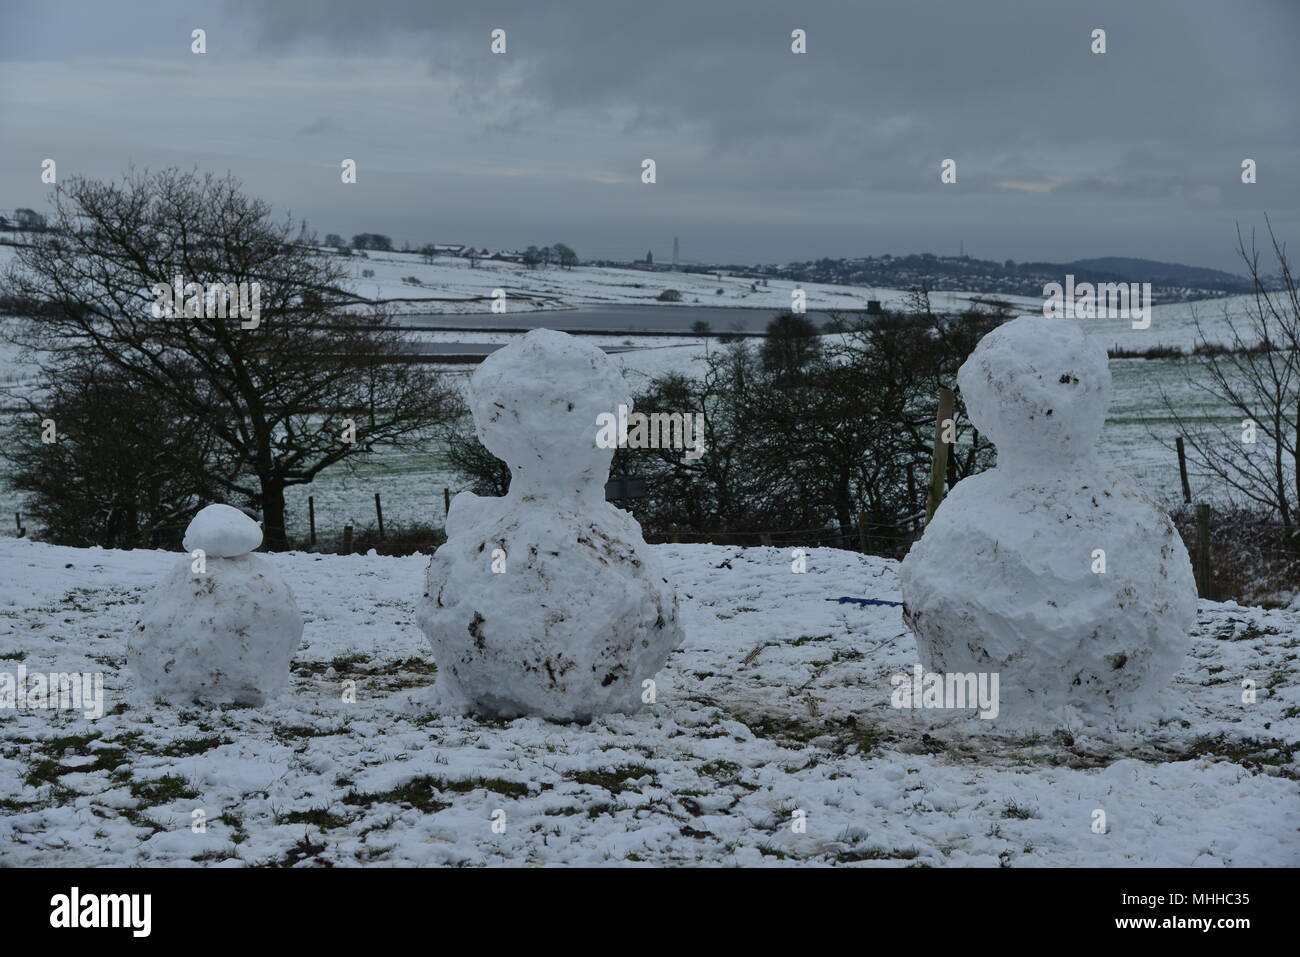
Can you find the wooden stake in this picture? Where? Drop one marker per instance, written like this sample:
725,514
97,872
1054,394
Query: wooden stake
347,539
1204,573
446,501
939,463
311,516
862,531
1182,471
379,511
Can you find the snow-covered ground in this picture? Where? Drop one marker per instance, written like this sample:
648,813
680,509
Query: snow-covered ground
551,287
777,703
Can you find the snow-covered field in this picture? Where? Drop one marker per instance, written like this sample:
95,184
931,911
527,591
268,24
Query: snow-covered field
411,485
550,287
777,703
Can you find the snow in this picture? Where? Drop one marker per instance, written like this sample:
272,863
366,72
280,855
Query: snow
1062,578
777,701
546,601
221,628
222,532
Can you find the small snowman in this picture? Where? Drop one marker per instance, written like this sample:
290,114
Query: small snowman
546,601
1061,576
222,627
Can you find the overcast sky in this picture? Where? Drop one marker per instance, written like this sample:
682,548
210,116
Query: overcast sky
762,155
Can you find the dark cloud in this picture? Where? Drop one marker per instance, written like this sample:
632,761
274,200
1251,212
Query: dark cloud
766,155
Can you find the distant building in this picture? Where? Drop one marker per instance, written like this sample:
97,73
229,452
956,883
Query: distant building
649,258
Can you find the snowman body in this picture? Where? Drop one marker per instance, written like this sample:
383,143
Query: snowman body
547,601
1057,574
224,633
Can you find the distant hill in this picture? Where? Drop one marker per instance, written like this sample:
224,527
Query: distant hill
1158,273
1170,282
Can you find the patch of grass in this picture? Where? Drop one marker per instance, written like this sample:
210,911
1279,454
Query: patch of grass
877,853
1251,753
613,780
1017,811
292,732
76,743
423,793
720,770
12,804
317,817
420,793
512,789
45,771
12,656
107,759
773,726
304,850
353,665
218,855
807,640
866,740
163,790
191,746
344,664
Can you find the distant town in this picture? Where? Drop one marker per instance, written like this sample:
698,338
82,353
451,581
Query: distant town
1170,282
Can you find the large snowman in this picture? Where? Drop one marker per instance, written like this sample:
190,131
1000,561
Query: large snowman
1059,575
546,601
222,627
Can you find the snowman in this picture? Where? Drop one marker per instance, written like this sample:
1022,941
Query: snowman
546,601
222,627
1061,576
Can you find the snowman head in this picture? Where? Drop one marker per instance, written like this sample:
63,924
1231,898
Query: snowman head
1038,387
536,405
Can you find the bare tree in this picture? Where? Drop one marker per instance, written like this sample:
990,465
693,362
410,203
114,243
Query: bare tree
275,389
1253,455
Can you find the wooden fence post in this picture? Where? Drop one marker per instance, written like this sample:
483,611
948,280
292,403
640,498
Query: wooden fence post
379,511
1182,472
1204,573
862,531
446,501
347,539
311,517
939,463
18,524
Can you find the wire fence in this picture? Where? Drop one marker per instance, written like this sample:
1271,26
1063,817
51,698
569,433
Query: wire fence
1245,558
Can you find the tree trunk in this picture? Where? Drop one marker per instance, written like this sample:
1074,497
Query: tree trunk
273,531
